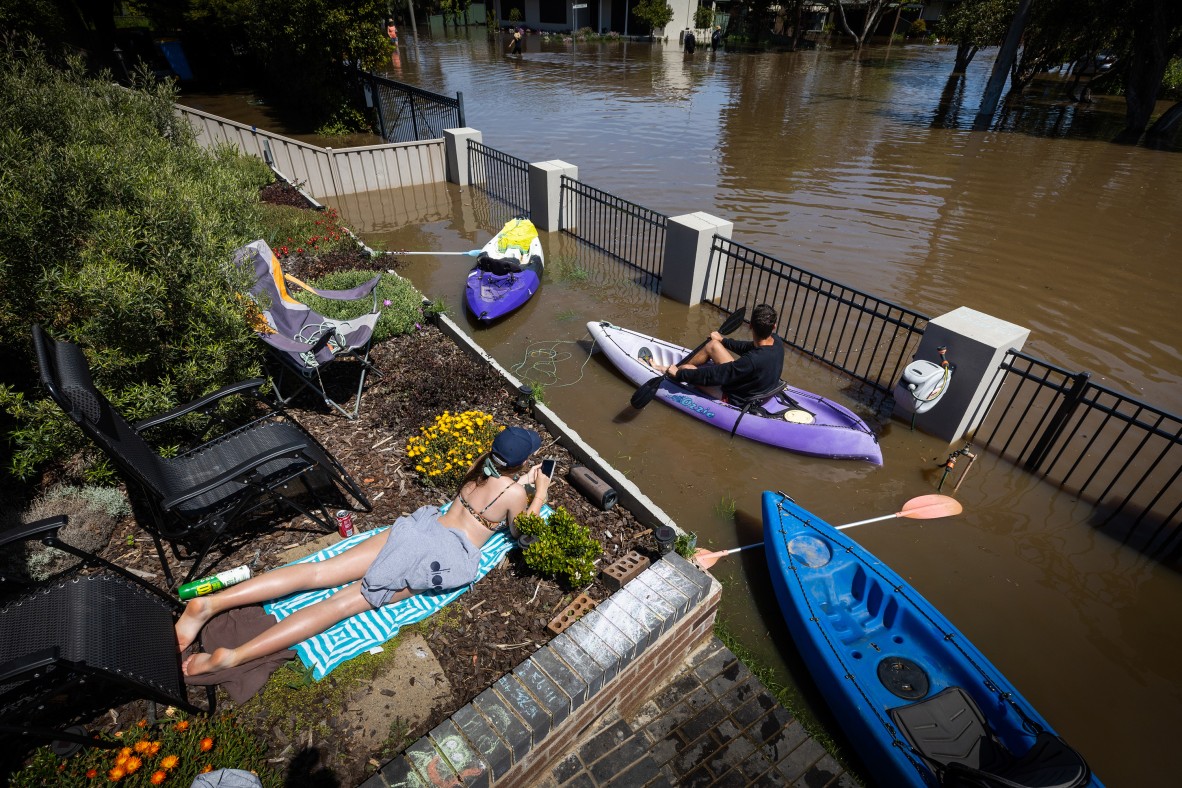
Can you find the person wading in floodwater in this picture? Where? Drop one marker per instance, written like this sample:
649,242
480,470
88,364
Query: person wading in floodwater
515,43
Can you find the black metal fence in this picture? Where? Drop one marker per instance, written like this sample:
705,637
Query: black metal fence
1117,452
866,337
624,230
406,113
500,176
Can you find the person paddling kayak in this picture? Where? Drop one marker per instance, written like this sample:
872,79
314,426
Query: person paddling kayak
757,368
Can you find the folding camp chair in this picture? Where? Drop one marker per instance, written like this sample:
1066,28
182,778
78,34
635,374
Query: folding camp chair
301,339
80,644
268,467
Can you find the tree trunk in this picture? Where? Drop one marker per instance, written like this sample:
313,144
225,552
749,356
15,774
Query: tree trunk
846,26
1005,58
964,55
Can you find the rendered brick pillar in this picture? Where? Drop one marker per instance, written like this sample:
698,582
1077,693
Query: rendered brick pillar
976,344
687,257
545,192
456,144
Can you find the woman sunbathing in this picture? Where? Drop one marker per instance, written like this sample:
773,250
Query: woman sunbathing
423,551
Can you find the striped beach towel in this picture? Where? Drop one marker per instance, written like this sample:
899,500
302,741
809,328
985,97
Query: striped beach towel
364,631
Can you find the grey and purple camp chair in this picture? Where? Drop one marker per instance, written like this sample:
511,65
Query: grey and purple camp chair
301,339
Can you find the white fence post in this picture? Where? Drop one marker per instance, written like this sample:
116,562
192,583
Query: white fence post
545,192
976,344
456,143
688,239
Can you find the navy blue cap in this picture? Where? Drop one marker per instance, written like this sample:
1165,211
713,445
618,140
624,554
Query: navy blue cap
513,445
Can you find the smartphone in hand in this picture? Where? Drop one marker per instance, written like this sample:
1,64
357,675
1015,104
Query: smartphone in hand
548,467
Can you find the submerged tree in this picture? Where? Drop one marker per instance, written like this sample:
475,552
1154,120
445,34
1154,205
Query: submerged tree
874,9
974,24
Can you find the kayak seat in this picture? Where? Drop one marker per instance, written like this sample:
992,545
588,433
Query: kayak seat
949,732
754,403
498,265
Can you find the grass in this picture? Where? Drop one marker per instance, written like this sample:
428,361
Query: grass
725,507
567,270
567,314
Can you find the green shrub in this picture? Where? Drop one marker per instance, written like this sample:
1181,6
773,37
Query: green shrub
703,18
116,232
400,303
918,28
564,549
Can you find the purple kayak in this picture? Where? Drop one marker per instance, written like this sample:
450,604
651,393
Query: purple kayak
507,273
796,419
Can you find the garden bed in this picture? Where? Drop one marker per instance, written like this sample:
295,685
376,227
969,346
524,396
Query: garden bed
484,634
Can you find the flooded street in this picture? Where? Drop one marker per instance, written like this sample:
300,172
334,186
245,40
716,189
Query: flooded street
857,168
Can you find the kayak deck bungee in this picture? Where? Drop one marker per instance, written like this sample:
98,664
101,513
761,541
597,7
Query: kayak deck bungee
507,273
917,700
826,429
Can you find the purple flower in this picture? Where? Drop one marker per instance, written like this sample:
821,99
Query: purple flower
418,327
386,302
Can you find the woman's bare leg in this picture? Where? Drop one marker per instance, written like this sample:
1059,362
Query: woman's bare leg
299,626
338,570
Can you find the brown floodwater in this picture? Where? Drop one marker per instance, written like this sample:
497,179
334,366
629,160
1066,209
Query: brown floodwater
862,169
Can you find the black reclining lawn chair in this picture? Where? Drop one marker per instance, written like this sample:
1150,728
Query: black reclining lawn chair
269,467
302,340
80,644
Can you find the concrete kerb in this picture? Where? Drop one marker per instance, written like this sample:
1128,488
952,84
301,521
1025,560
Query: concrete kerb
629,494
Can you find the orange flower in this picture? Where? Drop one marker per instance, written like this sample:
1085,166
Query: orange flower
133,765
158,777
206,769
182,726
143,746
125,752
169,762
155,748
206,744
92,773
142,724
116,774
121,759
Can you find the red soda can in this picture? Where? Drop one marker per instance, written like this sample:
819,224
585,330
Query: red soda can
344,523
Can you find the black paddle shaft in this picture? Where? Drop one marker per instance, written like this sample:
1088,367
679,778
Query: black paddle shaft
644,395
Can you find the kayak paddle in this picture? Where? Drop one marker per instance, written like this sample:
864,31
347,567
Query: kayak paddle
473,253
644,395
925,507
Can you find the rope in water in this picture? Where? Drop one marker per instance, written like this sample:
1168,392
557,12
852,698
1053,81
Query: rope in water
541,360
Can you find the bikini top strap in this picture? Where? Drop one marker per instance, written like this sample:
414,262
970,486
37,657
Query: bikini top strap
480,515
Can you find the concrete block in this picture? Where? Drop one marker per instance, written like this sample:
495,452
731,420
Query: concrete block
551,699
455,142
545,188
607,658
687,579
626,605
522,703
688,239
620,642
573,685
506,724
666,591
661,614
582,663
976,344
617,611
484,740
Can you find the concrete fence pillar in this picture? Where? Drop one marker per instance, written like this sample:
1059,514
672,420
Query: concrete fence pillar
687,257
976,344
545,192
456,144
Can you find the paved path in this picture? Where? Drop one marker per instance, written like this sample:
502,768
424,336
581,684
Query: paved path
712,724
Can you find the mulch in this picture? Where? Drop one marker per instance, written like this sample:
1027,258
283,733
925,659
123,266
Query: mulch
503,618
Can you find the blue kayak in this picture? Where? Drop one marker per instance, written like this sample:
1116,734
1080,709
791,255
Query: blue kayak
918,702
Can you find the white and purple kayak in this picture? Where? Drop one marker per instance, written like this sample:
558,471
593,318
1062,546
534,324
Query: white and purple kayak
796,420
507,273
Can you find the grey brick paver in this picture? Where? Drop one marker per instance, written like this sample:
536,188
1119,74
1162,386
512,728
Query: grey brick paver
713,724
